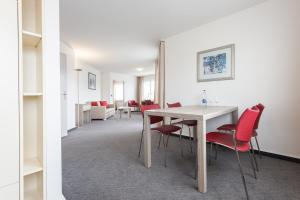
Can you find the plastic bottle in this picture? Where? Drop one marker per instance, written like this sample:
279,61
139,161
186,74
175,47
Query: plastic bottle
204,98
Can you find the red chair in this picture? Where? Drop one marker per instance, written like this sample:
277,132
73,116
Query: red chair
133,104
163,129
147,102
188,123
239,141
232,127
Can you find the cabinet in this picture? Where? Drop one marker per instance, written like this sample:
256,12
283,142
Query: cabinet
31,90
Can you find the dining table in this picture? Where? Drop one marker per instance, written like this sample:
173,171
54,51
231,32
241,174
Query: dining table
200,113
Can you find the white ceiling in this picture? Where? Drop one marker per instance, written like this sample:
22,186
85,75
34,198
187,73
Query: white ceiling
122,35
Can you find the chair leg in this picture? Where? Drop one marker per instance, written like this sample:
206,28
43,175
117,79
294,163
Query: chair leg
242,174
196,166
180,142
141,141
165,149
159,141
167,140
258,147
252,164
216,151
191,141
256,164
181,131
210,152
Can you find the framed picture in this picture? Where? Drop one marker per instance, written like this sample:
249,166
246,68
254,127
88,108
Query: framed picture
92,81
216,64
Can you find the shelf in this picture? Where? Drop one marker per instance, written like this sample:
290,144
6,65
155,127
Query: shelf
31,39
32,166
33,195
32,94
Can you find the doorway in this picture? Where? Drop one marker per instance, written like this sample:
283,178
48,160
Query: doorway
63,94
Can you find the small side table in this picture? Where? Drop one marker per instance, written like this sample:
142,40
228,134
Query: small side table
84,114
123,109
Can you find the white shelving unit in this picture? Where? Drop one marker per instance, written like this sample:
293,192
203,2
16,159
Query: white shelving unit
32,172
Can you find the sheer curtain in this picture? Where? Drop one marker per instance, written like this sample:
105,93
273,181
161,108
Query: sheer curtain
148,88
118,87
159,96
140,89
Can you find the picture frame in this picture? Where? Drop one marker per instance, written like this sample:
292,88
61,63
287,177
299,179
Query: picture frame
91,81
216,64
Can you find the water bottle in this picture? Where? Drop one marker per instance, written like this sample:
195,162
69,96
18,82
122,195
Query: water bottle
204,98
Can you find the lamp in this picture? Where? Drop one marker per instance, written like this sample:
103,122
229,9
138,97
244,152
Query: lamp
78,70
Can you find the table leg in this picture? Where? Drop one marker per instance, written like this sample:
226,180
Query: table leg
129,113
147,141
201,155
234,116
90,116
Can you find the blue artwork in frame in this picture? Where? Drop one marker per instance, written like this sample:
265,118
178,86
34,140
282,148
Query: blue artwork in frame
216,64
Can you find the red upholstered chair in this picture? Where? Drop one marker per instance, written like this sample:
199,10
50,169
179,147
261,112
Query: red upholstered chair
133,104
188,123
147,102
232,127
239,141
162,129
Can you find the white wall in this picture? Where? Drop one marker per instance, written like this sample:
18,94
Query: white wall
85,94
9,106
51,63
130,85
267,69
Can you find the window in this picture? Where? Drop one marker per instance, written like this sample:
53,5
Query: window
118,90
148,88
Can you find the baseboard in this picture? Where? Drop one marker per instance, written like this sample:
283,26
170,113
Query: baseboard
268,154
278,156
72,129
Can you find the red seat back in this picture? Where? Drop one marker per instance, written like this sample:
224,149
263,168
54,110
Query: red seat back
132,103
245,125
261,109
174,105
153,119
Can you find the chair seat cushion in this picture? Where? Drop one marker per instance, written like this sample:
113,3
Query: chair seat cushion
227,141
227,127
166,129
232,127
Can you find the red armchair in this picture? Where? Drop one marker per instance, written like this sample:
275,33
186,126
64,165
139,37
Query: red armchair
133,104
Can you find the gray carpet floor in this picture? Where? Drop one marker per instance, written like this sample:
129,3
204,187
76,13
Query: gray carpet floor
100,163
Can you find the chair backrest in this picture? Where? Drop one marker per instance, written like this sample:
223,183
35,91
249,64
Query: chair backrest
147,102
245,125
174,105
153,119
132,102
261,109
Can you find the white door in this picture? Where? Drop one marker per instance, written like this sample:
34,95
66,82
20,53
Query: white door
63,94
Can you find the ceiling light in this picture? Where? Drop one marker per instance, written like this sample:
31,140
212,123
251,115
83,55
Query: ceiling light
139,69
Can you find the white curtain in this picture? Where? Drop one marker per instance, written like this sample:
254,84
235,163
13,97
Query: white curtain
148,88
140,89
159,96
118,90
